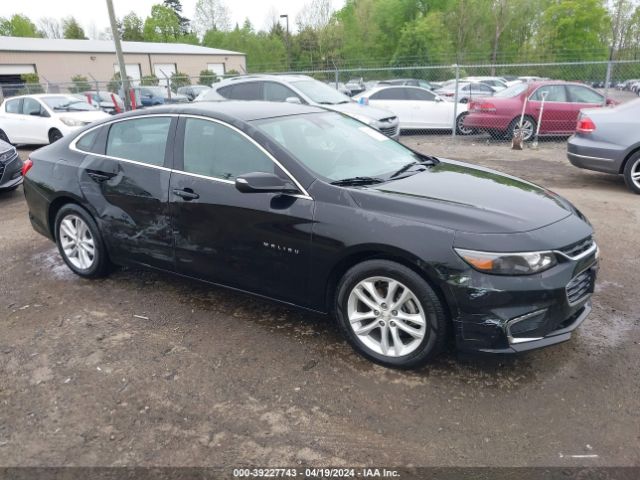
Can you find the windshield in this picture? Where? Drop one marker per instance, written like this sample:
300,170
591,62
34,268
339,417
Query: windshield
512,91
336,147
64,103
321,93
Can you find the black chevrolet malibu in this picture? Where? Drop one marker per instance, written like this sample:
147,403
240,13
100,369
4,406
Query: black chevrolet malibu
320,211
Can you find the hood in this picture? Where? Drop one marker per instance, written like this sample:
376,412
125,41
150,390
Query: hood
89,116
354,109
465,198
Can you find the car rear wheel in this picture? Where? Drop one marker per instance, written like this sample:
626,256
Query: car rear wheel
460,128
54,135
80,243
528,128
632,173
390,315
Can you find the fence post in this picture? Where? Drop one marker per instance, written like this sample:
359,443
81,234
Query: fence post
455,101
607,80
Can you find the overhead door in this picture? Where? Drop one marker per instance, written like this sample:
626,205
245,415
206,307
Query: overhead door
133,72
217,68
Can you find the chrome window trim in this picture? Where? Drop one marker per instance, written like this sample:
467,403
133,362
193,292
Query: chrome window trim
72,146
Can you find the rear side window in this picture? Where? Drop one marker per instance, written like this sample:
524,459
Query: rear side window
555,93
88,140
142,140
215,150
244,91
275,92
584,95
13,106
389,94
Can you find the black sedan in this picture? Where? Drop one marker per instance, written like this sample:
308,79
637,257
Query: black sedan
320,211
10,167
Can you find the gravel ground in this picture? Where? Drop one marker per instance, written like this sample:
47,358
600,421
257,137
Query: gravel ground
144,369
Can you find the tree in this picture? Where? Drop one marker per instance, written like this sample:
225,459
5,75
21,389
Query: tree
176,6
207,77
18,26
132,28
211,15
51,27
162,26
150,80
80,84
178,80
72,29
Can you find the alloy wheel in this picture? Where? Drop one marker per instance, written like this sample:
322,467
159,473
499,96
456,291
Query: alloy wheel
461,128
635,173
527,129
386,316
77,242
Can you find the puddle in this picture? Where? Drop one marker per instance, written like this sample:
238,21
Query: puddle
52,262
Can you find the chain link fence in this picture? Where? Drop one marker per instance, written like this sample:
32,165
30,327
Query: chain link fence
464,101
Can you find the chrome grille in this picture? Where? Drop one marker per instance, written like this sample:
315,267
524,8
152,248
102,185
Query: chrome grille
389,131
1,170
577,248
580,286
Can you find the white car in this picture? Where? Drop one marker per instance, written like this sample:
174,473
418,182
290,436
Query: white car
416,107
44,118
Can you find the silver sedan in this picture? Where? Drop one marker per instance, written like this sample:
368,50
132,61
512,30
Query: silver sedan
608,140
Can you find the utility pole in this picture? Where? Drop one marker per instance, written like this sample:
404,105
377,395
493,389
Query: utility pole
287,42
121,64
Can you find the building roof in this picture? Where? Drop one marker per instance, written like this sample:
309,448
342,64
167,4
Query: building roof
57,45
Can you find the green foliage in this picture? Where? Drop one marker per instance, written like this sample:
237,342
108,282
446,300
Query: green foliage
425,40
80,84
115,84
178,80
18,26
207,77
162,26
150,80
132,28
32,84
72,29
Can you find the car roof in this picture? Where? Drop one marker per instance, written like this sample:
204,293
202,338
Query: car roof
388,86
42,95
237,109
255,77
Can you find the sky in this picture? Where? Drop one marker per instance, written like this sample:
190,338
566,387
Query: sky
92,14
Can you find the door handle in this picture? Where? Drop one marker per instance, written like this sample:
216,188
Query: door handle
100,176
187,194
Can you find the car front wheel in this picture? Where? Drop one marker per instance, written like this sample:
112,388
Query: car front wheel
390,315
80,243
632,173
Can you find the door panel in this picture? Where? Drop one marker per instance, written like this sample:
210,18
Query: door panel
258,242
557,111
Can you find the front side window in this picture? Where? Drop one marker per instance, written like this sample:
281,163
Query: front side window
275,92
142,140
215,150
555,93
31,106
420,95
584,95
13,106
336,147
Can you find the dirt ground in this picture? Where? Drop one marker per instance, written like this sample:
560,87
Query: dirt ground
145,369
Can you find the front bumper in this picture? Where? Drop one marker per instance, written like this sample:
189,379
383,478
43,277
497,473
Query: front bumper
10,173
503,314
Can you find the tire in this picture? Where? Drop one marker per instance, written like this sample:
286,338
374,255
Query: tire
54,135
460,128
403,350
632,173
4,138
70,217
528,125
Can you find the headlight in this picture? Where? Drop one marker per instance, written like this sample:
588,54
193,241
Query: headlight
508,263
72,122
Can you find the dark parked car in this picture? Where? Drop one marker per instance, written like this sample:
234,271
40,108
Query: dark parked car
608,140
317,210
192,91
10,167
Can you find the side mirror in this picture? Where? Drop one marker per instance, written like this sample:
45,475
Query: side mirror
293,100
260,182
439,99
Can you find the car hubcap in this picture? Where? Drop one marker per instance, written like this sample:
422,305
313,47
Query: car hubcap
527,129
635,173
386,316
77,242
461,128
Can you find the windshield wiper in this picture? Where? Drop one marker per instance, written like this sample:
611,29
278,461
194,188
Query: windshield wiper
428,161
358,181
